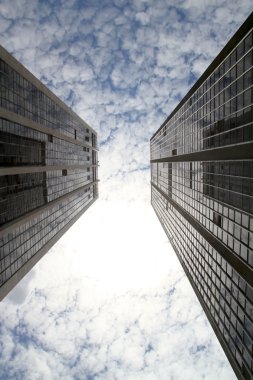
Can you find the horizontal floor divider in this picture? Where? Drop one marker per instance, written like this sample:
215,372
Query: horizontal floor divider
243,151
28,123
12,170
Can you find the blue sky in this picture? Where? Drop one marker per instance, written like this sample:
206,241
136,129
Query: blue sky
110,300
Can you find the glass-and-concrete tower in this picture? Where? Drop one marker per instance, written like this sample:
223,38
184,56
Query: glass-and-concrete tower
202,193
48,170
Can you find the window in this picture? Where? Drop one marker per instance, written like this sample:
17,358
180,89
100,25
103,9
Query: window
217,219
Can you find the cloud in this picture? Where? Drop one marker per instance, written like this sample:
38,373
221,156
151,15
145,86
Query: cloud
110,300
123,311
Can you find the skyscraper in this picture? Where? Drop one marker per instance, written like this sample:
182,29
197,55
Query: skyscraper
202,193
48,170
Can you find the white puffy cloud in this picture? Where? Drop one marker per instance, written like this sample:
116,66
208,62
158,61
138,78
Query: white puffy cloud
110,300
122,311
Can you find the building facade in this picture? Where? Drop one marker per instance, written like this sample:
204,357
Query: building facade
202,193
48,170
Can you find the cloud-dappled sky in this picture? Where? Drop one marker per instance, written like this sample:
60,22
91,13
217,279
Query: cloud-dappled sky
110,300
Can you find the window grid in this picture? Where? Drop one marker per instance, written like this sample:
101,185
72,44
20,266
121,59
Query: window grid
223,290
18,247
22,97
219,113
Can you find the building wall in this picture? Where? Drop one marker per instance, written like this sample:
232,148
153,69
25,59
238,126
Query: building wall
48,170
202,192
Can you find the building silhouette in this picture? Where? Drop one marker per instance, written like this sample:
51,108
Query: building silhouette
202,193
48,170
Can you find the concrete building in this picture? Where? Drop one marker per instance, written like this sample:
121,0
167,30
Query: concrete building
202,193
48,170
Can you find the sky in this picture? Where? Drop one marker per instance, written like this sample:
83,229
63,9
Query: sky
110,299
